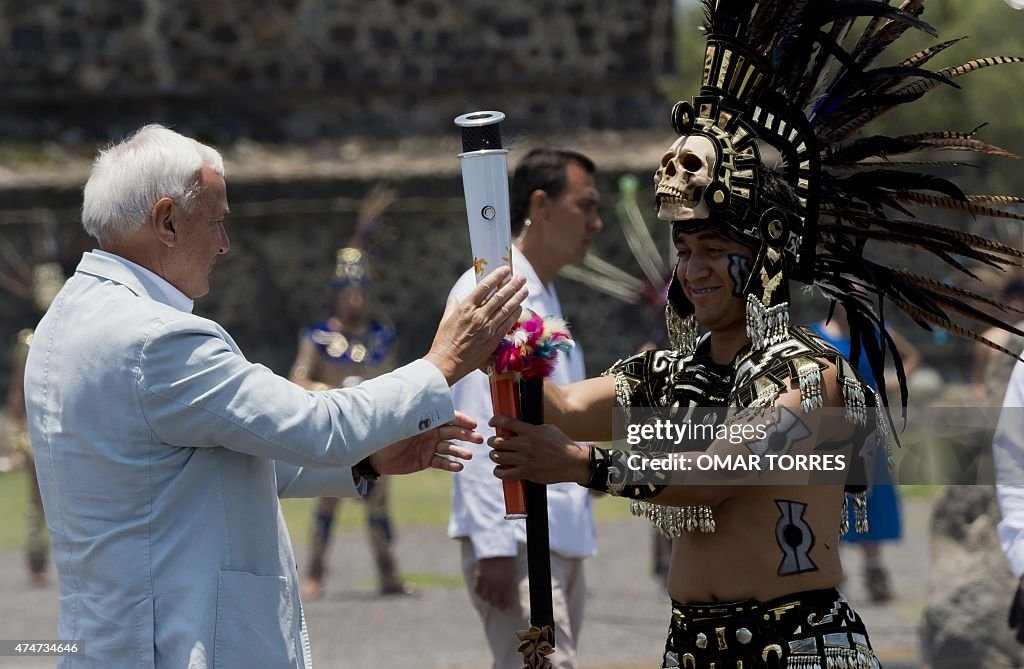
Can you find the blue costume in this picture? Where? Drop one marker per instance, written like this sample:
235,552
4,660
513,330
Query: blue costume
884,516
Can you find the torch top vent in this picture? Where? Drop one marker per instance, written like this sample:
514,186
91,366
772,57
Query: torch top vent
480,130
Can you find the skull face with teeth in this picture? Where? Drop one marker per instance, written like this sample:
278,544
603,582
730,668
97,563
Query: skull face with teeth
686,170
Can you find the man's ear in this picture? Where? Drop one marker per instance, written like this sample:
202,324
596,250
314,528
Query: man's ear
538,206
161,220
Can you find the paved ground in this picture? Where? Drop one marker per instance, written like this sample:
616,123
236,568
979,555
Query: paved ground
626,615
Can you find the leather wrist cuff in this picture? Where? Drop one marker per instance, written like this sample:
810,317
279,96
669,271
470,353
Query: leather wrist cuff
610,473
599,463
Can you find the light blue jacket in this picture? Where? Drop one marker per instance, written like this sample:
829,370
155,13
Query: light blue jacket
161,453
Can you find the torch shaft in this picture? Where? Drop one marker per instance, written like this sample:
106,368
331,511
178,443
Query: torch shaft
538,551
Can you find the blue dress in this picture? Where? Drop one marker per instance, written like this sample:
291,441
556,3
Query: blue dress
884,516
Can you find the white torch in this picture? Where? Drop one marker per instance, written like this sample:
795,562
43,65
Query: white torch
485,182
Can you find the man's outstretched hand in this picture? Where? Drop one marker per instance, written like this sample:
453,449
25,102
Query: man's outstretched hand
429,449
470,330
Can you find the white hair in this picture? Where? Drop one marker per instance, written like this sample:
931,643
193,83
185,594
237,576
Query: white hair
127,179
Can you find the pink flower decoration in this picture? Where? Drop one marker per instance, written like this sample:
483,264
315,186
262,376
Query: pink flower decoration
530,349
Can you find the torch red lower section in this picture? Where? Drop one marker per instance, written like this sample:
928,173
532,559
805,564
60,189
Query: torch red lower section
505,402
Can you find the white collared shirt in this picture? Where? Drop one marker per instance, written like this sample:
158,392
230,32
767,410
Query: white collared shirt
478,507
175,297
1008,453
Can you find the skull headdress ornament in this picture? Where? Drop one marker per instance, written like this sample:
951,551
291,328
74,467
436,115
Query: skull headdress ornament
714,175
685,172
795,79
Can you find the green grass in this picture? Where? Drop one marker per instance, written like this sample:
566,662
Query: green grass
920,491
426,580
13,503
420,500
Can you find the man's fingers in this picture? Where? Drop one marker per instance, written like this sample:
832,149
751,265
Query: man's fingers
488,285
512,308
509,322
490,594
509,458
479,294
460,433
509,473
506,305
509,297
448,448
483,592
444,464
505,443
462,420
510,424
510,444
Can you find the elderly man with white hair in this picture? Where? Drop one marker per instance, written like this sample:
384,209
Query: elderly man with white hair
161,451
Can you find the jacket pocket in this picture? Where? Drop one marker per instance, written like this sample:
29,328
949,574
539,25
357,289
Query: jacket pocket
255,622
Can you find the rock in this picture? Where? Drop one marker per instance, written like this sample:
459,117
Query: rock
970,586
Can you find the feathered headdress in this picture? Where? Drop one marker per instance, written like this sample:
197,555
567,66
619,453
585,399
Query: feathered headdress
795,78
352,262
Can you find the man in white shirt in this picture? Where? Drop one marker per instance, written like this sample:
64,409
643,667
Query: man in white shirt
1008,447
161,451
554,216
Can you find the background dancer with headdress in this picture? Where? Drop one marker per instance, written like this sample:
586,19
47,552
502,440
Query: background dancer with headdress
355,343
755,567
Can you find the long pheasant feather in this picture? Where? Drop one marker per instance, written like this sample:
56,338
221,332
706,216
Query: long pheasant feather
938,286
957,71
927,200
922,57
919,314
